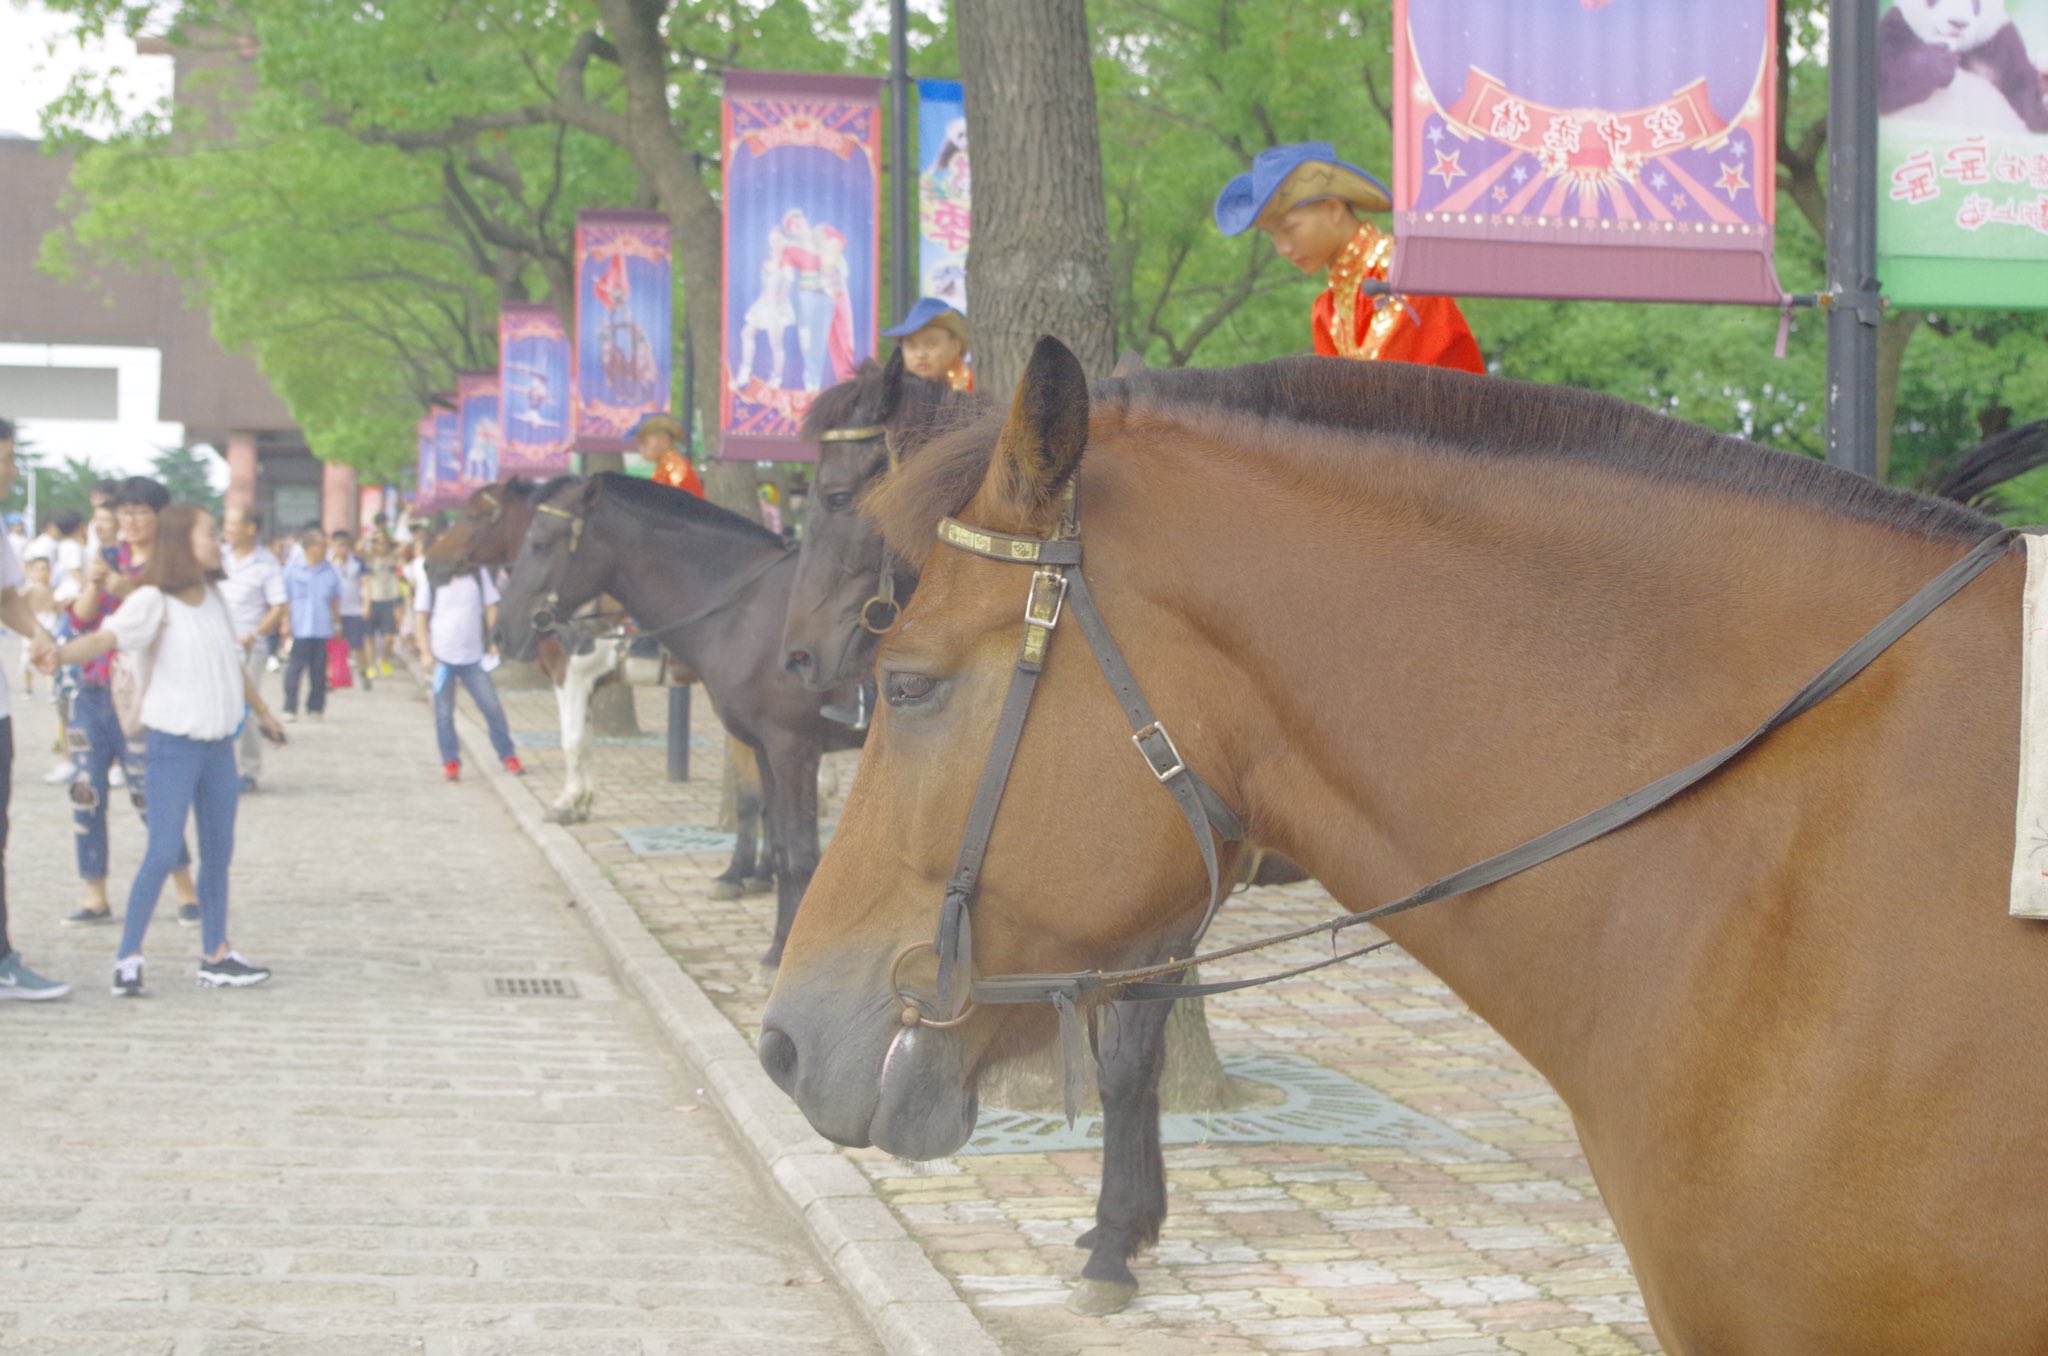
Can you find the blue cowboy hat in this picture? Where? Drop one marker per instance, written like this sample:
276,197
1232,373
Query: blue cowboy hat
1287,176
661,421
927,310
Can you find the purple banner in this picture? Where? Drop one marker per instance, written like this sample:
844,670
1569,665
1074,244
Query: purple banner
447,454
476,400
1592,149
423,471
802,251
624,330
534,392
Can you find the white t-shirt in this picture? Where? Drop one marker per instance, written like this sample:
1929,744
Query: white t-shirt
254,585
195,676
351,571
455,621
12,576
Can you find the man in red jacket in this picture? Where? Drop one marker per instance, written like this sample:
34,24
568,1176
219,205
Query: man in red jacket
1308,202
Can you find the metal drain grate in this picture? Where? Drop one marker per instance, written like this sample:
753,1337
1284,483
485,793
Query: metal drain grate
522,986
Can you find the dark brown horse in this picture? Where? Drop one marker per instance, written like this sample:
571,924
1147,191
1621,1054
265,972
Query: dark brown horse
1401,620
487,533
713,588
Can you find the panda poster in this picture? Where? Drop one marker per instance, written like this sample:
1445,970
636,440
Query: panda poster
1586,149
1963,153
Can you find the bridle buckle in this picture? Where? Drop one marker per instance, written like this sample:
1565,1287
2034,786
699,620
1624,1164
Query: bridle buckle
1157,748
1037,610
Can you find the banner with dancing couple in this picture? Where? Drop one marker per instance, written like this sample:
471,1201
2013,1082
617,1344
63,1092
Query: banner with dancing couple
802,163
624,331
1586,149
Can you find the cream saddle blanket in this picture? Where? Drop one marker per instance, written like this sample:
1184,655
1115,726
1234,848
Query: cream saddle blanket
2030,838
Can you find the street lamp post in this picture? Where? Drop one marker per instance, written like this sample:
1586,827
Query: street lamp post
1854,305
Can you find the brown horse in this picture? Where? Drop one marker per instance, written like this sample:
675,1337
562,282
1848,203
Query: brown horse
1402,619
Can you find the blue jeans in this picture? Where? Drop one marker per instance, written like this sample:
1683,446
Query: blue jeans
193,777
96,744
484,693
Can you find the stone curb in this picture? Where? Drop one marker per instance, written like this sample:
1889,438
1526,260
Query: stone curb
912,1308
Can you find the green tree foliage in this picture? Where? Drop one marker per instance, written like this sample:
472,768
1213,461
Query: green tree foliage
187,472
59,484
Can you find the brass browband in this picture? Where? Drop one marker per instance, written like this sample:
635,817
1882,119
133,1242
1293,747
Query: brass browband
1002,546
852,435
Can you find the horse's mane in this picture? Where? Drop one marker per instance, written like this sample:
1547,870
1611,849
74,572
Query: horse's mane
1444,413
923,404
666,506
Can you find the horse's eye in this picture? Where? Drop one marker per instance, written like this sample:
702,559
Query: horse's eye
839,501
908,689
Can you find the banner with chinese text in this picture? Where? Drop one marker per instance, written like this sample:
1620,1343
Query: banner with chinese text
1962,149
624,334
1586,149
476,398
944,194
447,453
534,392
802,160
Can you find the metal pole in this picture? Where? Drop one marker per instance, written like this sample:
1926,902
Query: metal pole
678,731
1854,305
902,169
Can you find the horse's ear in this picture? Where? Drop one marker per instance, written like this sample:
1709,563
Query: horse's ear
1127,363
892,384
590,488
1042,439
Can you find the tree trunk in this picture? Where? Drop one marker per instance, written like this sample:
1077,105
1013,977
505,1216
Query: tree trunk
1892,337
611,711
1040,261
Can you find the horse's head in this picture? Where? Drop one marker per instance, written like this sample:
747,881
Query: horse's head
1089,863
849,585
487,531
561,565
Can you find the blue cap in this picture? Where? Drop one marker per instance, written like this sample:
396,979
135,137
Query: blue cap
924,313
1288,176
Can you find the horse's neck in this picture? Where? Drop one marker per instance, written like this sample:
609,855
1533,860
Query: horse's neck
1485,661
668,576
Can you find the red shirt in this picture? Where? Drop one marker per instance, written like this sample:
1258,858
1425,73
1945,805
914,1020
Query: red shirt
675,469
1401,328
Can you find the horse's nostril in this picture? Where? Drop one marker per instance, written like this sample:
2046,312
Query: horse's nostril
778,1057
798,661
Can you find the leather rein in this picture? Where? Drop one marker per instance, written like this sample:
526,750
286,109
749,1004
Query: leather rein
1059,587
880,612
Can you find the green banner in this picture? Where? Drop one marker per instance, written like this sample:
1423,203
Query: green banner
1962,217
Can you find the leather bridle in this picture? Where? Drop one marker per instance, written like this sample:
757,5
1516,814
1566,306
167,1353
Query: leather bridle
1059,587
879,612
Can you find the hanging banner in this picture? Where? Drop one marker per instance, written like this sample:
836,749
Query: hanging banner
624,331
1962,151
534,392
476,400
944,193
802,156
447,455
423,470
1586,149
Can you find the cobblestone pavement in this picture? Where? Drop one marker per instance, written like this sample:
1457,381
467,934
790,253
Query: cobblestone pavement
1458,1220
368,1155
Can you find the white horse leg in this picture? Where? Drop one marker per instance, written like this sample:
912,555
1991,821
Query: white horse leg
572,703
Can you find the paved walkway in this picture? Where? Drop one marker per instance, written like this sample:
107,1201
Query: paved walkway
371,1154
1420,1193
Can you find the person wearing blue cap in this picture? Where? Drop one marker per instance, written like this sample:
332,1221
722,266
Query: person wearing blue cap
1307,201
935,341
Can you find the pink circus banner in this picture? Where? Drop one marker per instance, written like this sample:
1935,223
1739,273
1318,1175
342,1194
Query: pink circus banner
447,453
624,329
423,470
536,418
1586,149
476,405
802,168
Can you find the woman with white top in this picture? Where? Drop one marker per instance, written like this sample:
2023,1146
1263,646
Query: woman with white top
195,697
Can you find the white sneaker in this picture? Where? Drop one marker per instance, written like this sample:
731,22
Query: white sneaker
60,774
117,776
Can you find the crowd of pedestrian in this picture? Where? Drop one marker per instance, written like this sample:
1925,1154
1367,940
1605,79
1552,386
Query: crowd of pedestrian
152,630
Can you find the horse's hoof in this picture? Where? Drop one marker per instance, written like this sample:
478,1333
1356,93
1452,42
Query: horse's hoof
760,885
1097,1298
558,814
725,889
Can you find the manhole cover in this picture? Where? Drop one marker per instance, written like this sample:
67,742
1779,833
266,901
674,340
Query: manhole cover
528,986
1320,1107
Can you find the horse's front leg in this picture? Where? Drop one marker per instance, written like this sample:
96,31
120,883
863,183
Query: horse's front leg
742,876
790,772
580,678
1132,1205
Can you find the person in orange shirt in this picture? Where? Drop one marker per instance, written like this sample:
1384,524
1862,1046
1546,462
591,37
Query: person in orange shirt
935,343
655,438
1307,201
